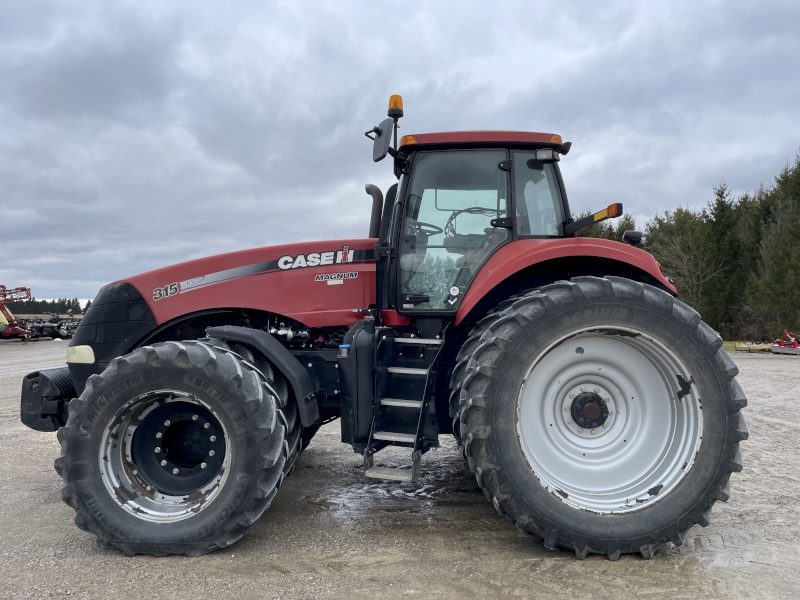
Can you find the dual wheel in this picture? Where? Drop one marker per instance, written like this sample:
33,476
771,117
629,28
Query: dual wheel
178,448
599,415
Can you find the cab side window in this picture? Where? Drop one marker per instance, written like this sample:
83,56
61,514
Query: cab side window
539,210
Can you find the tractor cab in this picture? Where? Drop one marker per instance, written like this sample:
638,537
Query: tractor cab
461,196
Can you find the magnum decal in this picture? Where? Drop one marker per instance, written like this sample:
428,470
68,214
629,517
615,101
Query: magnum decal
317,259
336,276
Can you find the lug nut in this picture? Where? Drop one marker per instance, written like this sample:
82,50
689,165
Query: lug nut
203,465
566,408
175,471
213,438
163,463
596,390
206,425
194,417
570,421
594,431
166,423
580,430
605,424
158,435
211,453
157,450
583,388
572,395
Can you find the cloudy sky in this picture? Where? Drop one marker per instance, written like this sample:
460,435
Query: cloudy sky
138,134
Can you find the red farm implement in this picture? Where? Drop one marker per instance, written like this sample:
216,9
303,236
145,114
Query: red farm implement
9,326
788,344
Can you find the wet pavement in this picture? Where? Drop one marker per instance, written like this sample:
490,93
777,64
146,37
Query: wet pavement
331,533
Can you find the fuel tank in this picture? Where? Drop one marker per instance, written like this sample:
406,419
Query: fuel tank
316,283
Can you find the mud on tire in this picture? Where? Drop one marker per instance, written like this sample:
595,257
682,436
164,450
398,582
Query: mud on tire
521,474
138,461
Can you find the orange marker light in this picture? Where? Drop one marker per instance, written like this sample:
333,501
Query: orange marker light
555,139
614,210
407,140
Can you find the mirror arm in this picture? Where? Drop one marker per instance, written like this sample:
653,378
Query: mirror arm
397,155
613,211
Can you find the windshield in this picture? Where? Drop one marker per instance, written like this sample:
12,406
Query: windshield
446,233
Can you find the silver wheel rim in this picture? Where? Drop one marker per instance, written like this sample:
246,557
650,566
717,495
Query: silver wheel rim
128,485
649,439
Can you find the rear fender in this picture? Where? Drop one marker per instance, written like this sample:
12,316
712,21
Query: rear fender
531,263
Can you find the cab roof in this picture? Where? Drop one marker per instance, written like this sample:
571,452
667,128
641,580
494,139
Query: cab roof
470,138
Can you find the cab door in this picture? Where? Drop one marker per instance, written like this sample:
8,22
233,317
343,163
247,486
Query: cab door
455,217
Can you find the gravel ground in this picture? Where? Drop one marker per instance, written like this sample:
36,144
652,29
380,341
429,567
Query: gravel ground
331,533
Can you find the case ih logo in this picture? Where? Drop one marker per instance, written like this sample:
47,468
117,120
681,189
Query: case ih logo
317,259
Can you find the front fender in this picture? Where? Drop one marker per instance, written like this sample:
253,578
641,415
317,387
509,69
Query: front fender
282,359
519,255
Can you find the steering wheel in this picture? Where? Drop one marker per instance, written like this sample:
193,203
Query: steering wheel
548,221
427,228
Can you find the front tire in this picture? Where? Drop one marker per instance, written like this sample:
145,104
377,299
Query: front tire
602,416
176,448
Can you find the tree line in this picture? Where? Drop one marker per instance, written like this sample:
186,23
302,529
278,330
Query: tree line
736,260
35,307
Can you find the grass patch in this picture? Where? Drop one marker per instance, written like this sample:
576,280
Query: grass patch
729,346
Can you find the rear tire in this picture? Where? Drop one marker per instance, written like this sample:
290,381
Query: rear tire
535,369
139,464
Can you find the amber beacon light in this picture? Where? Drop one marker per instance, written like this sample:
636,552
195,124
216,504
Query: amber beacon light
395,106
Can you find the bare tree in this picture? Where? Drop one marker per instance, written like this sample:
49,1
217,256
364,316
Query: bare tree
691,262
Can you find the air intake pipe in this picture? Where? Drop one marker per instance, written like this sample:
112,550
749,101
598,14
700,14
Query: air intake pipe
377,206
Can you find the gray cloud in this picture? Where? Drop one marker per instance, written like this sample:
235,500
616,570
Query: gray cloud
138,135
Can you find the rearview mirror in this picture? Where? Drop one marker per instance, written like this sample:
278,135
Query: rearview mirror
382,139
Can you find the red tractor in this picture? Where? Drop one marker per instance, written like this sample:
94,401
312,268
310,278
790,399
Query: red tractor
597,412
10,327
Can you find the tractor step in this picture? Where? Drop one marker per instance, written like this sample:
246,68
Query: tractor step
405,383
407,371
402,403
389,473
421,341
392,436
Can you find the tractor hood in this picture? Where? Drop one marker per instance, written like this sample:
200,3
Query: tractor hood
316,283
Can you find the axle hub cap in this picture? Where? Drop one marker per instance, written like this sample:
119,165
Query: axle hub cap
589,410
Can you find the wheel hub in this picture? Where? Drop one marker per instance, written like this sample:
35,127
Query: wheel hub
165,456
178,447
589,410
601,424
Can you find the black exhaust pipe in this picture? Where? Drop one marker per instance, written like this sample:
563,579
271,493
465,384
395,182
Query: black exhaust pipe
377,207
